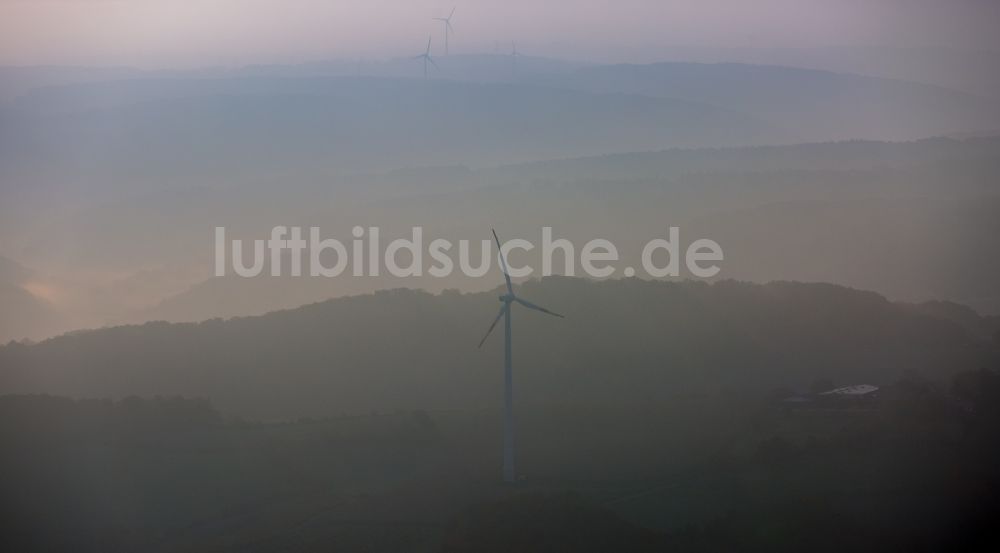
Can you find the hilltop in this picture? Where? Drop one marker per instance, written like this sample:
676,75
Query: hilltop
623,342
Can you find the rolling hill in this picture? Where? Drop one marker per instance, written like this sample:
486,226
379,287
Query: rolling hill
629,341
816,105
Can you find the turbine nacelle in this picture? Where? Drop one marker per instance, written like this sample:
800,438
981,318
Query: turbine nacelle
426,57
447,28
510,297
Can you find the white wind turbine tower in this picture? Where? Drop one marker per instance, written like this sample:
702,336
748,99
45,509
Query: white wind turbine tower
508,403
448,29
426,56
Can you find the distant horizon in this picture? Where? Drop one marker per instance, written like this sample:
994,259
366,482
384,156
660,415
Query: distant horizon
961,70
680,53
157,33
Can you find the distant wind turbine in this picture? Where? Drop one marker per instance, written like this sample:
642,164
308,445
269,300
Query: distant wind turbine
448,29
426,56
508,415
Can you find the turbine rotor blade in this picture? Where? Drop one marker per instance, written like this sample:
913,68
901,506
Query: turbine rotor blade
428,51
503,264
452,12
530,305
430,59
492,326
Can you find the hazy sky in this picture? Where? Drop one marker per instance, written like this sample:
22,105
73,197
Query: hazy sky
164,33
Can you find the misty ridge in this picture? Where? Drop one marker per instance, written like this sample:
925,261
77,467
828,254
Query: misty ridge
902,219
624,342
657,415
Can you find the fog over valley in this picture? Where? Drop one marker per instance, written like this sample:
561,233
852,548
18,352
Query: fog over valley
497,277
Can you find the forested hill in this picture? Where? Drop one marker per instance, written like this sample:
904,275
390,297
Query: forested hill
628,341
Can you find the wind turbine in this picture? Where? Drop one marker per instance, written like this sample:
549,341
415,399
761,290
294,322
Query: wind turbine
447,28
426,56
508,397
